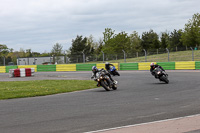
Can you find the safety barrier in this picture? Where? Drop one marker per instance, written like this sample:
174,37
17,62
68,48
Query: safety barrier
10,67
185,65
144,66
197,65
167,65
66,67
102,65
46,68
128,66
84,67
28,66
119,66
2,69
21,72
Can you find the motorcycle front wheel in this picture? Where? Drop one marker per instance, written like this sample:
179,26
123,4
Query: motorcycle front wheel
105,85
114,87
164,78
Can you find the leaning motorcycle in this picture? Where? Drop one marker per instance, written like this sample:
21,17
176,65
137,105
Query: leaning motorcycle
161,75
104,81
113,71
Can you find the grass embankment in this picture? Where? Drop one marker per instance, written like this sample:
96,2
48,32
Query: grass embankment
173,56
21,89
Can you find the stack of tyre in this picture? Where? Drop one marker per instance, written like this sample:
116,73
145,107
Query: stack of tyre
22,72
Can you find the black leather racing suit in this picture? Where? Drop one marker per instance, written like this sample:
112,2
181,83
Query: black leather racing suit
98,70
107,66
152,69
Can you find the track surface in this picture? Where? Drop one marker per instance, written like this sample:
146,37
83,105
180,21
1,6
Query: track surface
140,98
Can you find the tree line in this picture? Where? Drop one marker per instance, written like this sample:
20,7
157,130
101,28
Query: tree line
113,43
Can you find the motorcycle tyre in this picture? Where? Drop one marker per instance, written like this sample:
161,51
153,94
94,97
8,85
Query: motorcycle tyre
164,78
114,87
107,88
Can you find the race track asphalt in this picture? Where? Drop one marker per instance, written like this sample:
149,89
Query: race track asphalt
139,98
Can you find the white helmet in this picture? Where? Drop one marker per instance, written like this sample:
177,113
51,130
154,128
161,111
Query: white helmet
152,64
94,68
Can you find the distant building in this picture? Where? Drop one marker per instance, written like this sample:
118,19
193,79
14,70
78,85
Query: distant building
41,60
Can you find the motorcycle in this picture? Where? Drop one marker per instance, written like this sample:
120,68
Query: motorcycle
104,81
113,71
161,75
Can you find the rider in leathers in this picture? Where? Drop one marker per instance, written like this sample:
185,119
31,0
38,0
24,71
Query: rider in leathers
153,66
94,72
107,66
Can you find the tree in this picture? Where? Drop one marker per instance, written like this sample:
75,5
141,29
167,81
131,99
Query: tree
117,43
121,42
89,49
57,49
150,40
135,42
3,50
191,33
175,39
99,46
56,52
28,53
164,40
107,35
79,47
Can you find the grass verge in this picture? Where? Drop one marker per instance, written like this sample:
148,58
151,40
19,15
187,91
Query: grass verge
21,89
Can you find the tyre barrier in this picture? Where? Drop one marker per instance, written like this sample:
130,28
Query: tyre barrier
21,72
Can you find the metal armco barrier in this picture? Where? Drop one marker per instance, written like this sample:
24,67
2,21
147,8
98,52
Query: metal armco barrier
22,72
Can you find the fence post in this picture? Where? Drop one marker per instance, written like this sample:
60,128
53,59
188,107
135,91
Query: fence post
103,56
145,52
65,58
168,53
83,57
124,56
18,61
66,61
192,53
4,60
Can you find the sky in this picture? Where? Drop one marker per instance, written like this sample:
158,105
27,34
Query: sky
40,24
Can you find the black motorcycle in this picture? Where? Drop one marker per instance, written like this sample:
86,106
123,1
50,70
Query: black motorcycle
113,71
161,75
104,81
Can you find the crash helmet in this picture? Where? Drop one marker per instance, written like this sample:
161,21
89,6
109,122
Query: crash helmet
152,64
107,63
94,68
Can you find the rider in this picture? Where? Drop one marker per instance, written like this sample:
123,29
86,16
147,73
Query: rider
153,66
107,66
94,72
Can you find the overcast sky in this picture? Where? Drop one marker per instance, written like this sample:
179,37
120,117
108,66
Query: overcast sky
40,24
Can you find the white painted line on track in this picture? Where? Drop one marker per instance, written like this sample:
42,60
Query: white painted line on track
103,130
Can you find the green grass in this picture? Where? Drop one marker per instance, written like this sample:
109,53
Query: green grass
173,56
21,89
